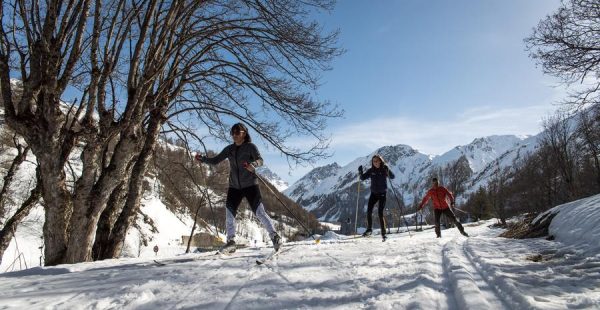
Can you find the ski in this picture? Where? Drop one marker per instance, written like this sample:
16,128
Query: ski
267,258
272,255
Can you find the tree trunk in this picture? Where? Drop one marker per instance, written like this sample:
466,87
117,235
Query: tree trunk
107,221
8,178
57,205
187,249
7,232
87,211
134,193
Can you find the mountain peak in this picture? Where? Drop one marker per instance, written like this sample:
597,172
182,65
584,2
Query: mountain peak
392,153
327,191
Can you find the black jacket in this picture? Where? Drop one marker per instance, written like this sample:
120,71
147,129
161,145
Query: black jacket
239,177
378,178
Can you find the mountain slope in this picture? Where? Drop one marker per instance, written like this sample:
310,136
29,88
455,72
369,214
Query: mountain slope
330,192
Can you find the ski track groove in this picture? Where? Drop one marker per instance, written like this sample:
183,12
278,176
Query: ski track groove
503,286
446,281
490,287
274,268
358,285
253,270
193,287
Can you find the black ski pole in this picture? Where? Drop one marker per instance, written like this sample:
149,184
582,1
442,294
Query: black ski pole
317,240
400,206
356,212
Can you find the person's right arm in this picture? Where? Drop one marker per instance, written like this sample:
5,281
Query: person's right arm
366,175
425,199
217,159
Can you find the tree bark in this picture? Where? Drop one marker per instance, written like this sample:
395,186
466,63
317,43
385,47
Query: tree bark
57,205
107,221
86,212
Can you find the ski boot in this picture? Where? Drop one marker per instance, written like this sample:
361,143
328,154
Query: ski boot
367,233
228,248
276,242
464,233
383,237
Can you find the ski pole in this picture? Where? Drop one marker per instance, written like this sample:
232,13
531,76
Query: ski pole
455,208
357,199
417,220
317,240
400,206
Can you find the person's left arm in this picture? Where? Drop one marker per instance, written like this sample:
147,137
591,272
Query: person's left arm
389,172
450,195
257,159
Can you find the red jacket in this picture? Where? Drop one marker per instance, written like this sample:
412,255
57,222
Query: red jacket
439,196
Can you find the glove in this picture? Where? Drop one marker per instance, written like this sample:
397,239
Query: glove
247,164
452,204
198,157
360,169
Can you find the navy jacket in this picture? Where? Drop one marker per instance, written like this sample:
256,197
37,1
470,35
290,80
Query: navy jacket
378,178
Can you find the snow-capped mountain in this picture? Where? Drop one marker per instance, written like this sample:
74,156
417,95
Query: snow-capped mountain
272,178
330,192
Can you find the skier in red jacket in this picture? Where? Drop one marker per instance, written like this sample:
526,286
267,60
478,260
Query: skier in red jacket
439,195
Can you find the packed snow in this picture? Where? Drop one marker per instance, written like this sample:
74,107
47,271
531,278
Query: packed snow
408,271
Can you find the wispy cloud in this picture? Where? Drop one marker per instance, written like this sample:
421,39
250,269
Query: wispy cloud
437,136
430,136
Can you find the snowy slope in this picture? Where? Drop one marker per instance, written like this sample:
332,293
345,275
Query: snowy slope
165,232
331,191
481,151
415,271
272,178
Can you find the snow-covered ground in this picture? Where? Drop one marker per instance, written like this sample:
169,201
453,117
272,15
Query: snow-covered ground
414,271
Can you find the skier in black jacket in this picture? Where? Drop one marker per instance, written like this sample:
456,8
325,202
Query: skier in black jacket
243,158
379,172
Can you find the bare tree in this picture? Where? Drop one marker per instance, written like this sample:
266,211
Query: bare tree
588,132
458,173
559,139
497,190
567,45
139,63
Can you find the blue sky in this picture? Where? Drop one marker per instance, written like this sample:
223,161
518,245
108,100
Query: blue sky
432,75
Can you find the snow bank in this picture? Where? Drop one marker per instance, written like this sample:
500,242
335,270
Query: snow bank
577,223
330,235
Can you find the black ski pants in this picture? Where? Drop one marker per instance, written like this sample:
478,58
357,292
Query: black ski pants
235,196
373,199
447,212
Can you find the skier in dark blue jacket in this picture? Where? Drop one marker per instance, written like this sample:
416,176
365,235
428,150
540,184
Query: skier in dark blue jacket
379,172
